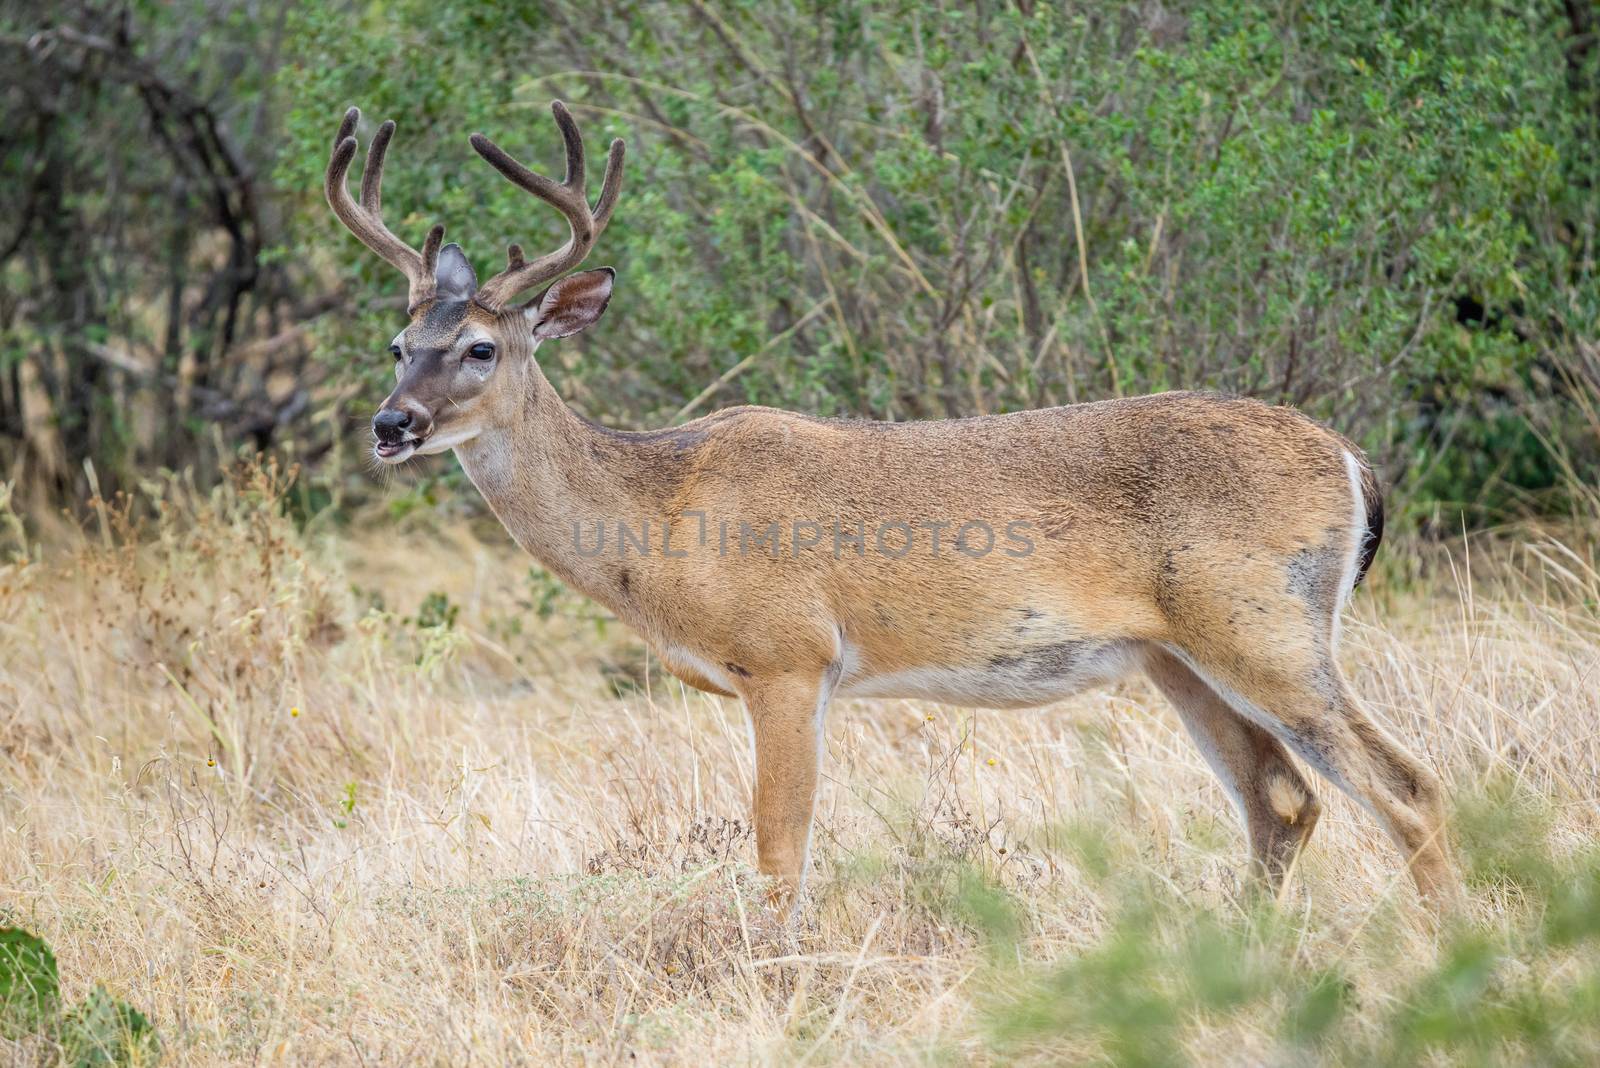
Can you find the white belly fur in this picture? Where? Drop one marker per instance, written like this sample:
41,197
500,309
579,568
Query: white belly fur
1014,682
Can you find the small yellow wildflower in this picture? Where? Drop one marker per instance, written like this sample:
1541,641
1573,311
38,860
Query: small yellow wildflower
295,712
211,762
991,762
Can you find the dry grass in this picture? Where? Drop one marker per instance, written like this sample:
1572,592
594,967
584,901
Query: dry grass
467,848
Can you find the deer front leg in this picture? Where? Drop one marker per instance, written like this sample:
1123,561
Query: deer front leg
786,726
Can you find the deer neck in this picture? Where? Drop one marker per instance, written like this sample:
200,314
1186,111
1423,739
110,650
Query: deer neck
550,476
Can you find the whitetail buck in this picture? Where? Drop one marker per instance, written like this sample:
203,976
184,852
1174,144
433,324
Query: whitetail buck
1005,560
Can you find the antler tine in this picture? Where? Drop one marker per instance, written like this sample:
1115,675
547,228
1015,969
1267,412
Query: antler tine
568,197
430,260
365,220
347,127
610,185
573,143
372,172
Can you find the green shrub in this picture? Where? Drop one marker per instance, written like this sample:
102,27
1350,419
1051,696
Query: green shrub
100,1032
1384,213
1521,989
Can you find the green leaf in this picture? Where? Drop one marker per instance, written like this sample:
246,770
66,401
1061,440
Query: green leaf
1318,1008
106,1030
30,989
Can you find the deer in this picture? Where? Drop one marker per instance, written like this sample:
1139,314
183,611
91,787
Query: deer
1004,560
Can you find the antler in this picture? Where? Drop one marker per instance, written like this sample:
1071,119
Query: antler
569,198
365,220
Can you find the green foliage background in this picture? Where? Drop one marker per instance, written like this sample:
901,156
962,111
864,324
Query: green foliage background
1385,213
1167,966
1382,212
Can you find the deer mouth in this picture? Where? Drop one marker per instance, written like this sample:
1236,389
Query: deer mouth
394,452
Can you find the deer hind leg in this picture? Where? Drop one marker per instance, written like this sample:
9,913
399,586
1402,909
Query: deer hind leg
1293,689
1274,801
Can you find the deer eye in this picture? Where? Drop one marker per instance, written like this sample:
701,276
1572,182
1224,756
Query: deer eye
483,350
394,350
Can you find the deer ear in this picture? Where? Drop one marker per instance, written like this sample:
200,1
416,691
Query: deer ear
571,304
454,276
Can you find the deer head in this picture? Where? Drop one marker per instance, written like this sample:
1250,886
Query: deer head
467,354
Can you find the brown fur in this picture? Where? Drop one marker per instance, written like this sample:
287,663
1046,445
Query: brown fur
1206,540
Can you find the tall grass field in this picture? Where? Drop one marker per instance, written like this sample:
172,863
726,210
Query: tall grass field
279,792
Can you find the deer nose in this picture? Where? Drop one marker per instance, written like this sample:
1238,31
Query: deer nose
391,424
